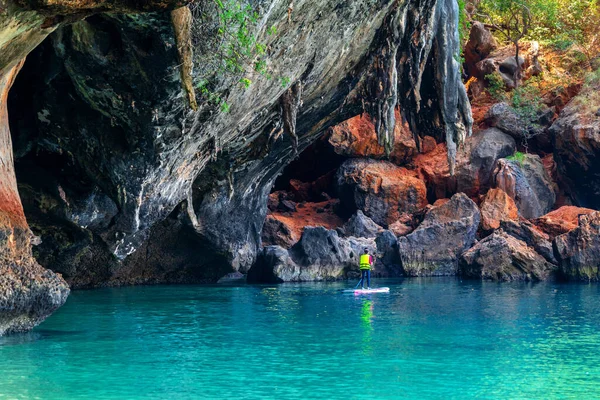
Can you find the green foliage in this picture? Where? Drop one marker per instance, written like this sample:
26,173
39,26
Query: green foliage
210,96
285,81
224,107
246,82
518,157
225,45
496,86
511,19
593,78
526,101
562,24
463,23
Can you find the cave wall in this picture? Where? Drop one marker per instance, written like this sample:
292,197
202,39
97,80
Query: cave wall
118,171
127,164
28,292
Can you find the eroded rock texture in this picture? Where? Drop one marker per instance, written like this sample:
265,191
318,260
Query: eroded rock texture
578,250
496,207
319,255
434,247
380,189
528,183
28,292
576,140
502,257
122,174
474,165
354,138
526,232
322,254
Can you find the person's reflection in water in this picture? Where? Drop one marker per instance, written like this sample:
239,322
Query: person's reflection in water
366,316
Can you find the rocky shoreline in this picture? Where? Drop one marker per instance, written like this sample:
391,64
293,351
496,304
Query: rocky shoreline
503,215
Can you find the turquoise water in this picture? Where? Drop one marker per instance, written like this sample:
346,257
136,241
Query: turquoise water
428,338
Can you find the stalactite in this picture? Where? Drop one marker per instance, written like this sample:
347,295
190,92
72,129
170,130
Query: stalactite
181,19
454,104
291,101
191,212
383,88
231,190
414,39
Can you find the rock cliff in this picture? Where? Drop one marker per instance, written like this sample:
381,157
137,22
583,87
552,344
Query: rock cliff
128,176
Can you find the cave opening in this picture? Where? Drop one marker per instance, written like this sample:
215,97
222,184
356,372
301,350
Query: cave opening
345,171
304,194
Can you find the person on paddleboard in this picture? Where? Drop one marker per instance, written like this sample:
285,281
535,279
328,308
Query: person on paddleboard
366,263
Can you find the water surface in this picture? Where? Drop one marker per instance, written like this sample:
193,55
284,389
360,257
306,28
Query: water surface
427,339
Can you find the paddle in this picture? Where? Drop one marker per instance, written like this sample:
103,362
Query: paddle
359,282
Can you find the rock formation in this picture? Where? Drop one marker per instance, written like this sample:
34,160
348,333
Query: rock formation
434,247
322,254
576,143
560,221
578,250
380,189
497,206
528,183
120,159
28,292
474,165
354,138
502,257
526,232
359,225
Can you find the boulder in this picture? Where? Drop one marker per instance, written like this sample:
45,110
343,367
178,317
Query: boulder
502,61
474,164
532,236
446,231
403,226
505,67
382,190
387,260
273,265
576,142
502,257
276,232
504,117
480,44
359,225
356,137
578,251
497,206
528,183
560,221
324,250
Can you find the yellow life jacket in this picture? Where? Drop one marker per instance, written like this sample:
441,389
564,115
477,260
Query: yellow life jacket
364,262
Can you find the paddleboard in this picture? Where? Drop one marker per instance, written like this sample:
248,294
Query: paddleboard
368,291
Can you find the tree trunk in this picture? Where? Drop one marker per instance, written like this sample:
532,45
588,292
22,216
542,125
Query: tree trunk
517,75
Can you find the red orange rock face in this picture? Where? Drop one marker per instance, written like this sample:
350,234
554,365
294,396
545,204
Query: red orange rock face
497,206
560,221
382,190
356,138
